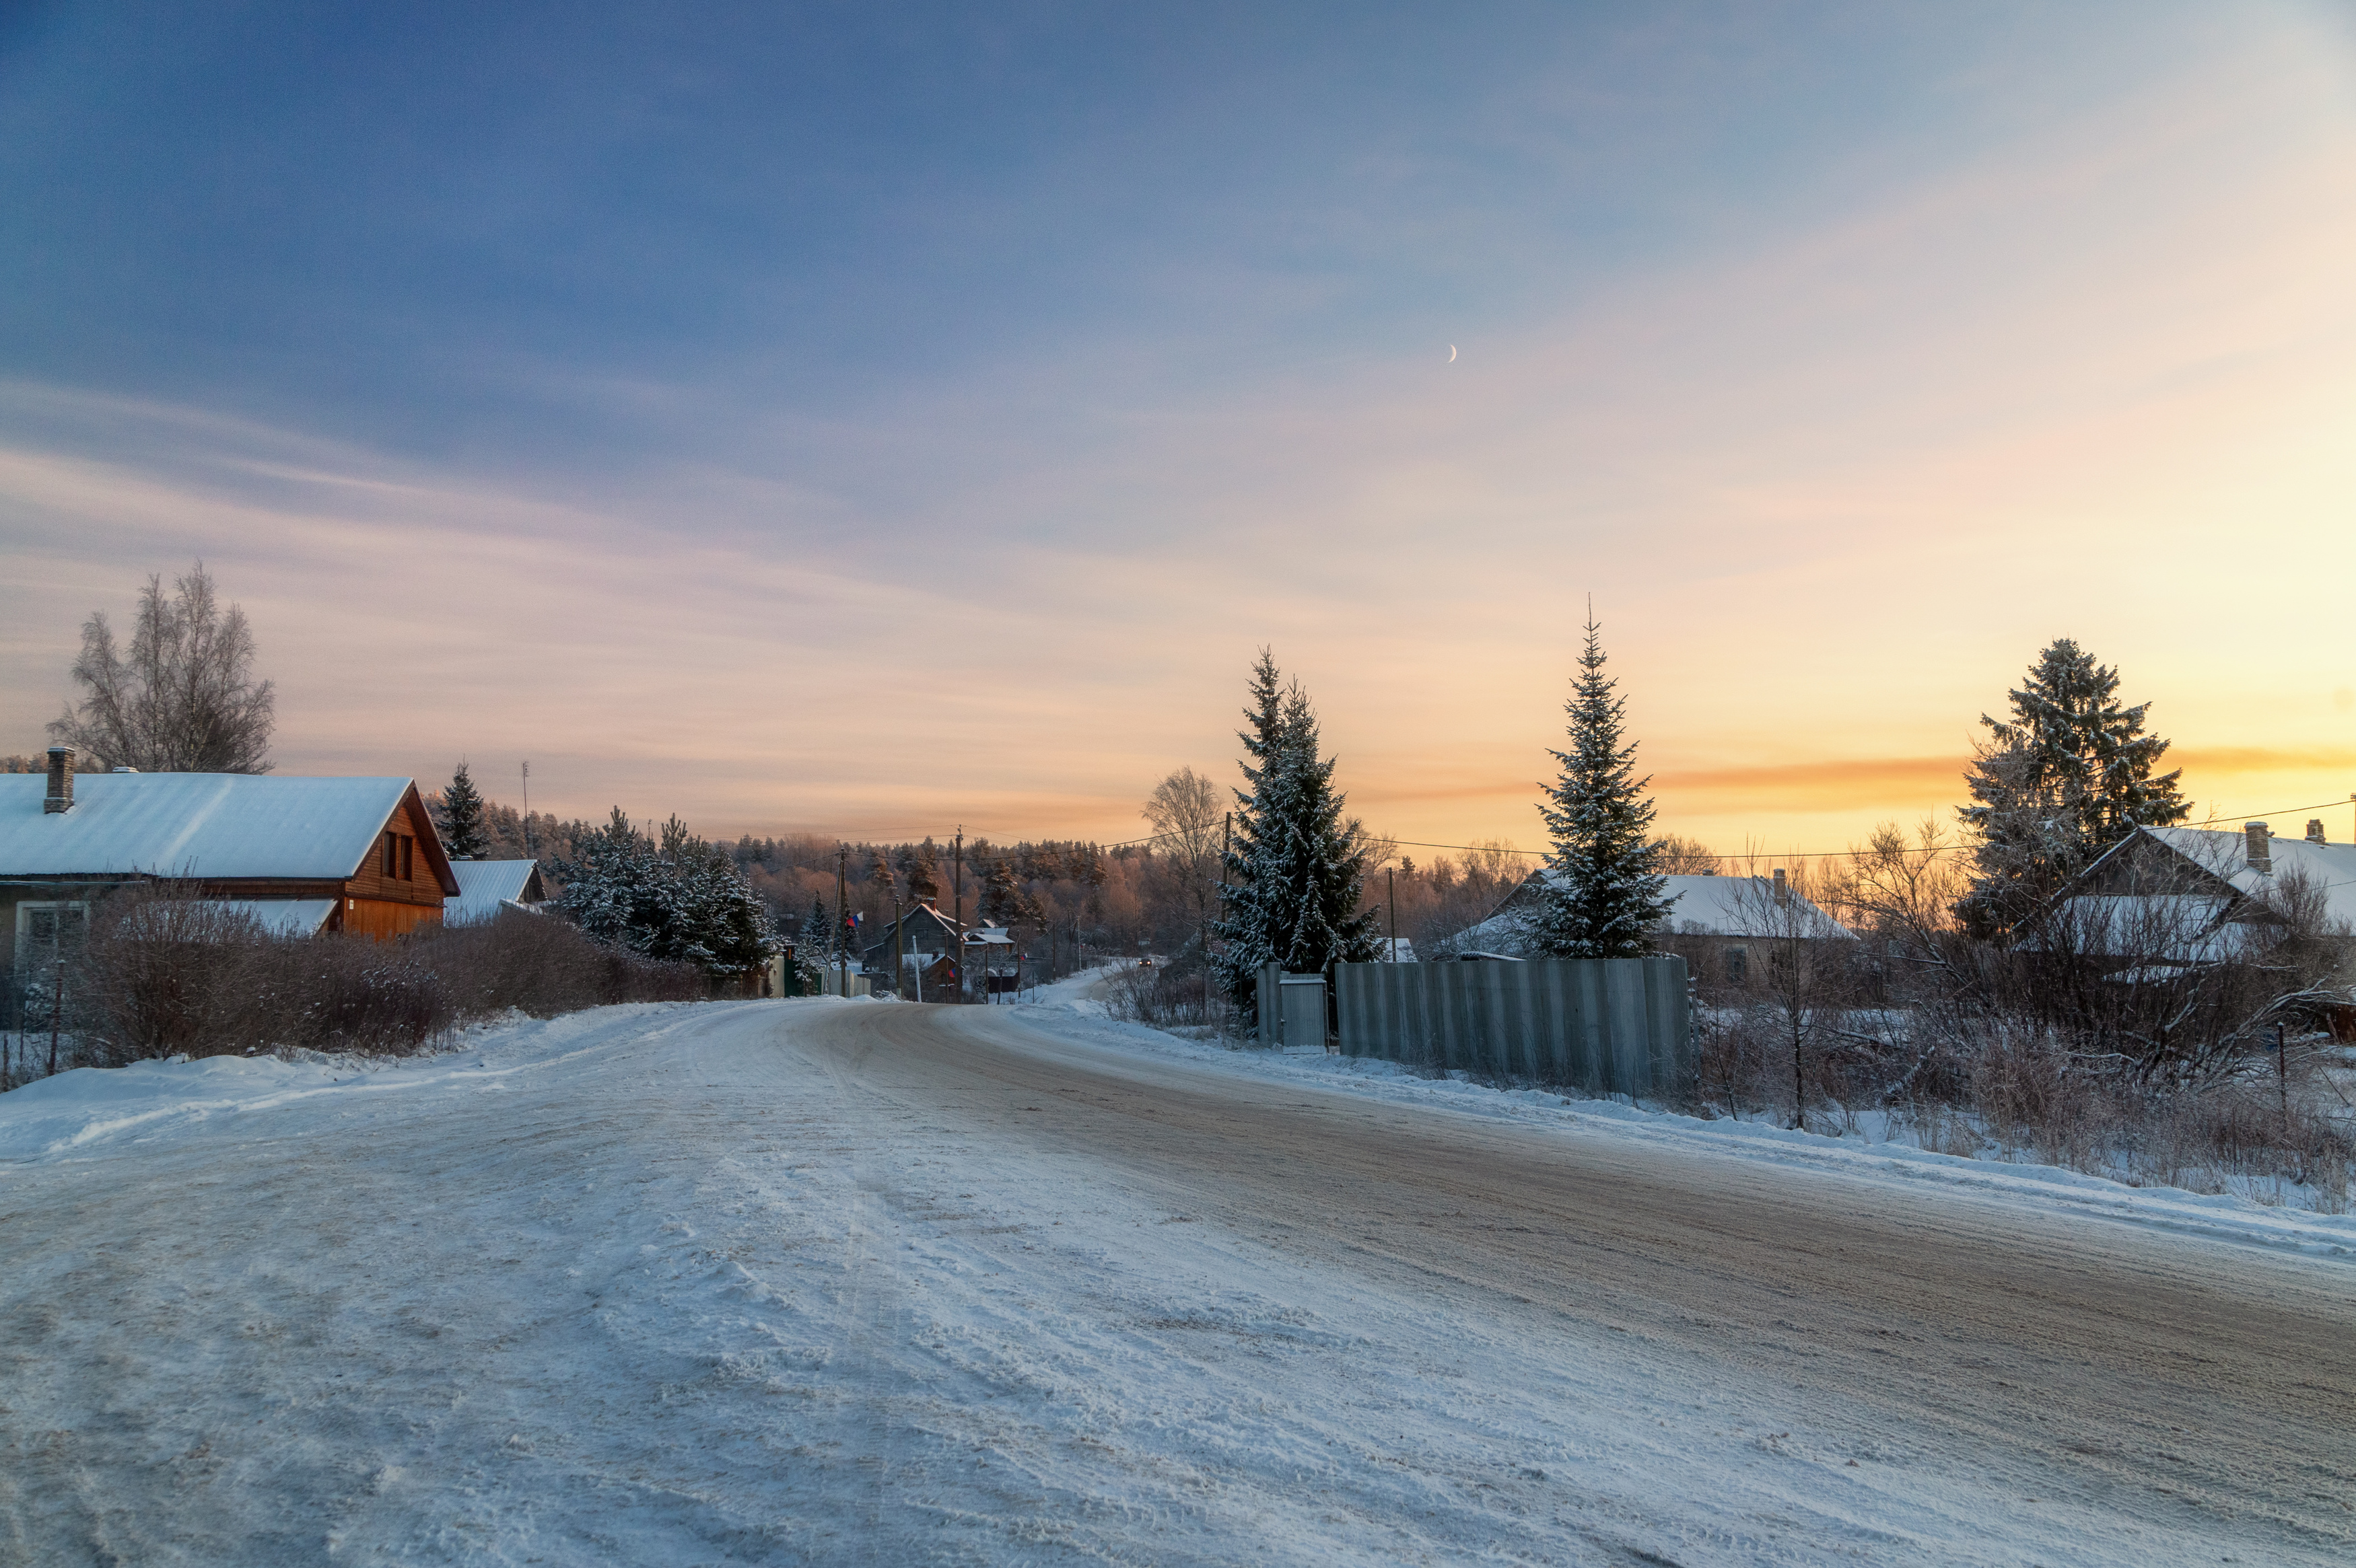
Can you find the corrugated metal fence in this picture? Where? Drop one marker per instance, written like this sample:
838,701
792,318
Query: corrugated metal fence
1609,1026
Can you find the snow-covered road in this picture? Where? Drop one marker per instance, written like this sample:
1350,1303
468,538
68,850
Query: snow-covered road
826,1281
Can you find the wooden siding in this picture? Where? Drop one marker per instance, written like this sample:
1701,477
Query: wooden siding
419,886
379,918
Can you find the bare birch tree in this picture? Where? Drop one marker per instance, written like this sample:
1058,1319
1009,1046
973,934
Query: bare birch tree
1186,814
183,699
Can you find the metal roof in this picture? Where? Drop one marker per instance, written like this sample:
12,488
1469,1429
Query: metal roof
283,917
194,825
2328,870
1698,906
483,887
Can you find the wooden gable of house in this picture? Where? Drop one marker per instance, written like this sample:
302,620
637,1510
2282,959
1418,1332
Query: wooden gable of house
402,877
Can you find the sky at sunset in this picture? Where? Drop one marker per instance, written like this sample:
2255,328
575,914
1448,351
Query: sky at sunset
872,419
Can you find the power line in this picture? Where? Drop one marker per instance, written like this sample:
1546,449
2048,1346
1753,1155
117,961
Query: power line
1747,855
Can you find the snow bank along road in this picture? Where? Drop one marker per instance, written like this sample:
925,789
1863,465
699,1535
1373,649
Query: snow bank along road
826,1281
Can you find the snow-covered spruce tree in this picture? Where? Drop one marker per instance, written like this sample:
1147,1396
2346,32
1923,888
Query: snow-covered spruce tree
1243,931
1604,899
461,819
720,922
614,888
1295,870
685,901
2069,775
1315,868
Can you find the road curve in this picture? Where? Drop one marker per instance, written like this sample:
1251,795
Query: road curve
2167,1377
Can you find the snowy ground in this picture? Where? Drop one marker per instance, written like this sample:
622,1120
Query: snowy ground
2281,1216
708,1283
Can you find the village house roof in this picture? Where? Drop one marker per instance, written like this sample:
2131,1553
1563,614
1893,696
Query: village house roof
283,917
486,886
2193,895
216,826
923,929
1698,906
2328,870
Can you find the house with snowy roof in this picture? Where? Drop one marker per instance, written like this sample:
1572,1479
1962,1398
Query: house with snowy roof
302,855
486,889
2171,900
920,929
1714,922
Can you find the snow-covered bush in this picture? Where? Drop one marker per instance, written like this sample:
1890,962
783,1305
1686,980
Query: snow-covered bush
1163,996
544,966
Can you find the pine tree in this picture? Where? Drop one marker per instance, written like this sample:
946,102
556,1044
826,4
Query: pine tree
923,873
1004,898
1604,899
2067,777
1293,865
463,837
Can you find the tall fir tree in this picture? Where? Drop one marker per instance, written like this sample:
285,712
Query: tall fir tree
463,837
1294,868
1242,931
1605,897
2069,775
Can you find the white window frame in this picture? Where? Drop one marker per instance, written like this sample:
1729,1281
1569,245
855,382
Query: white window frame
24,912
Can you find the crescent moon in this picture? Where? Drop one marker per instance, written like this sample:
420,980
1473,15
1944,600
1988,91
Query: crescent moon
1451,354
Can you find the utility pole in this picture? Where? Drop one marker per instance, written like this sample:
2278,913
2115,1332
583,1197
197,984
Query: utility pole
956,880
526,811
841,918
2282,1073
899,961
1390,876
1226,831
57,1006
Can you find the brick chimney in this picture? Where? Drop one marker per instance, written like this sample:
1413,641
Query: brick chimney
1782,887
2315,830
60,795
2261,853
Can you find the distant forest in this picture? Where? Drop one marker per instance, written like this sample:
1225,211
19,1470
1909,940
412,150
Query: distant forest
1127,898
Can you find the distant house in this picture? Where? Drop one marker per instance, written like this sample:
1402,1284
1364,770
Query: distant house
1714,922
928,947
487,887
920,930
302,855
990,956
2168,898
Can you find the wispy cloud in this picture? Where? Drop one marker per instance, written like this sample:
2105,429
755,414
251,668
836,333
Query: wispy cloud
1832,479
